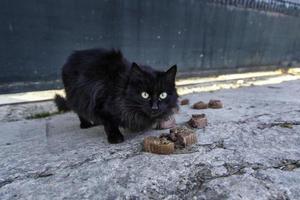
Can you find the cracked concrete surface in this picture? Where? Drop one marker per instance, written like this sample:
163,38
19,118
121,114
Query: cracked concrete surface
244,153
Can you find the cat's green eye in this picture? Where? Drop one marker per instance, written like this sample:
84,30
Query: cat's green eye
163,95
145,95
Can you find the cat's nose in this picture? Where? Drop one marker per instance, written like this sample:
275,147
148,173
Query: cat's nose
154,106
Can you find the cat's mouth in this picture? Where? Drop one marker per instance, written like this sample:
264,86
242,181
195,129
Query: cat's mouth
158,115
155,114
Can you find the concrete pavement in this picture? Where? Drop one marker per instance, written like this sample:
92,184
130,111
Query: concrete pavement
250,150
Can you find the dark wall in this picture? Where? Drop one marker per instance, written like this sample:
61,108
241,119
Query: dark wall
37,36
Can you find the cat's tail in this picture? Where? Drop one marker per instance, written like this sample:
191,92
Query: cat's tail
61,103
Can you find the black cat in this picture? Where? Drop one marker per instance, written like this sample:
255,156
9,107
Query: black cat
102,87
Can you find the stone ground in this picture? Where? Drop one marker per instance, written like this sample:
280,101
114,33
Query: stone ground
250,150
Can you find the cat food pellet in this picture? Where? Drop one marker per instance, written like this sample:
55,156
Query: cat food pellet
184,102
165,144
215,104
171,136
184,136
168,123
200,105
158,145
186,139
198,121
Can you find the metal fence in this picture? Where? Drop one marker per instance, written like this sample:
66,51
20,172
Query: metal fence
199,35
280,6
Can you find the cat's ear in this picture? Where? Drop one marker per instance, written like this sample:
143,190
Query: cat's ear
171,73
136,70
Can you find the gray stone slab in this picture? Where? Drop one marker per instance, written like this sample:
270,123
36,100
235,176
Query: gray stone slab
243,153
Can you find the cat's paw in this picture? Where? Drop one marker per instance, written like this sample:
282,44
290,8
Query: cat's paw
84,125
115,139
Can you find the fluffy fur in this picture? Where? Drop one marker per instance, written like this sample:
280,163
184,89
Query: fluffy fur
102,87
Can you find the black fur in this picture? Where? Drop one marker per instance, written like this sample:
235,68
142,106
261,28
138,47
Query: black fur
61,103
102,87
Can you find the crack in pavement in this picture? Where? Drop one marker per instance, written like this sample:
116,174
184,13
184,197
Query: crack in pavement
254,118
34,175
201,174
50,171
283,124
204,174
285,165
45,173
5,182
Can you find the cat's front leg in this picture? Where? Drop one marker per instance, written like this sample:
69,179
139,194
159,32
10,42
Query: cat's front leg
112,131
84,123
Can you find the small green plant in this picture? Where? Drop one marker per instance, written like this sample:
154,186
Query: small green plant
286,125
42,115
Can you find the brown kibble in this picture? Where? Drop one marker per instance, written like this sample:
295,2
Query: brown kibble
184,136
165,144
215,104
198,121
200,105
169,136
184,102
158,145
